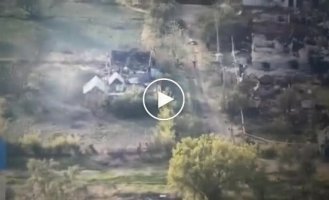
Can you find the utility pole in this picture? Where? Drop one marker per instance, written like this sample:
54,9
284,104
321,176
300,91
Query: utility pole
237,81
242,122
150,59
218,54
234,60
217,34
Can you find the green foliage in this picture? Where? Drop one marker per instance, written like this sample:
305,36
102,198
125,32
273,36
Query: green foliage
164,135
165,128
287,100
33,145
13,77
188,125
221,14
64,145
173,40
279,126
130,106
46,183
206,167
268,152
156,23
322,96
259,183
234,102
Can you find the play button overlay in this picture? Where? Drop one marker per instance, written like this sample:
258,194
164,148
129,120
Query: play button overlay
164,92
163,99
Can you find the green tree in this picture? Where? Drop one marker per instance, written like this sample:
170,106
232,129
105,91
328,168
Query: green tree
164,136
46,183
204,168
172,40
287,100
156,23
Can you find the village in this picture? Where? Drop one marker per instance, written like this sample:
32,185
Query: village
123,72
254,73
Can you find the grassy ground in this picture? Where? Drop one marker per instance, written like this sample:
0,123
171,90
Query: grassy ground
73,26
104,182
87,31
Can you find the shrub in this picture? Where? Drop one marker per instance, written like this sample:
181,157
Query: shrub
268,152
164,136
278,126
234,102
46,182
189,126
207,167
131,106
64,145
31,144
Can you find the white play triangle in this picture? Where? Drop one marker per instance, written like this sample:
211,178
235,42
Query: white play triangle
163,99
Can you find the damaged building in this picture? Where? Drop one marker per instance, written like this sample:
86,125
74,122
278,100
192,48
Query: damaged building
124,71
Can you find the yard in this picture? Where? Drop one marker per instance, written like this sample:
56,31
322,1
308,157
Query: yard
67,49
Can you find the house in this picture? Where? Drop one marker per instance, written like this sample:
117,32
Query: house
143,78
133,60
93,84
116,83
139,79
95,92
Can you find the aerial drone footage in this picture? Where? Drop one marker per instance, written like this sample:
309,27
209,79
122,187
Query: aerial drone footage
164,99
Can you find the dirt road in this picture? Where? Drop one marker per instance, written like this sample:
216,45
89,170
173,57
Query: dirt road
214,119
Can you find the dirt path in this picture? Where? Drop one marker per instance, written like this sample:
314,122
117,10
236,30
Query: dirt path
209,106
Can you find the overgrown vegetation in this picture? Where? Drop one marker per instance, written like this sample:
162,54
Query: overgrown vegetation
208,167
164,137
46,182
35,146
130,106
188,125
156,23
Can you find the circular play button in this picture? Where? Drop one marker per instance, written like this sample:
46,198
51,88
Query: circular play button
166,92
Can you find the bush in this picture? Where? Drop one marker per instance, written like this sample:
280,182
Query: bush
268,152
189,126
207,167
234,102
131,106
278,126
31,144
64,145
46,182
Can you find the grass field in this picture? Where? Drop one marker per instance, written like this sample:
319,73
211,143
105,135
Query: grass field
74,27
